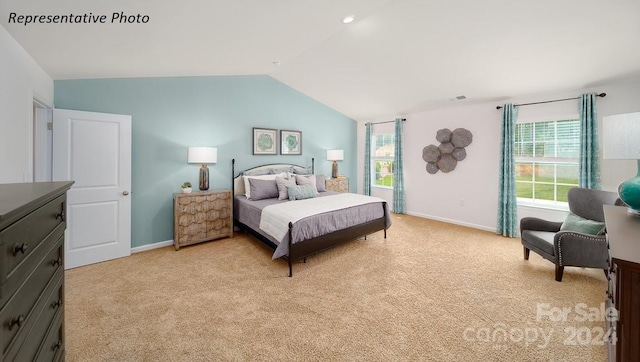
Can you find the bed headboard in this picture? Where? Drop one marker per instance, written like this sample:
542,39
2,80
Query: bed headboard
237,182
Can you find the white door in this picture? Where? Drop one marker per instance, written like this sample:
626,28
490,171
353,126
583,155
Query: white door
94,150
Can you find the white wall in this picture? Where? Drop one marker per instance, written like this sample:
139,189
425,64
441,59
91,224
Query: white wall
469,194
22,79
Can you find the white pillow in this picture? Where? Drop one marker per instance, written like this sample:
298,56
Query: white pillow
247,187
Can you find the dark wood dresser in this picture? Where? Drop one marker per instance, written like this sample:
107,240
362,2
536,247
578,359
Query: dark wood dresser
623,234
32,224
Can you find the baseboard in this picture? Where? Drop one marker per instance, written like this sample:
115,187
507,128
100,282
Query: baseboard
151,246
451,221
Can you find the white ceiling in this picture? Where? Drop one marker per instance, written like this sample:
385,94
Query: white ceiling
397,57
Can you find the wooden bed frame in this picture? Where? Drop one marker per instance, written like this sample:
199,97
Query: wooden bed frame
305,248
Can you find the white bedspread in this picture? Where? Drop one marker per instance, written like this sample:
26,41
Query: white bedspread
275,219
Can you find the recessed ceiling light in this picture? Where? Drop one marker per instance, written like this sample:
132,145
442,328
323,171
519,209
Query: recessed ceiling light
276,62
347,19
461,98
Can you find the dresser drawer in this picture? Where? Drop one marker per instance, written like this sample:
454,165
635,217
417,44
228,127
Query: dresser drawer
52,348
25,268
48,306
20,239
18,316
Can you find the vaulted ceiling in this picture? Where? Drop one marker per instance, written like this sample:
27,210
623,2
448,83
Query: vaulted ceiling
396,57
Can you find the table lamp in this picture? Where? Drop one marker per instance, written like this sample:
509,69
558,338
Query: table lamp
203,156
335,156
621,137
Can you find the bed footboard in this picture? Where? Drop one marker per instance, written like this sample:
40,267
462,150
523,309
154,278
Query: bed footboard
305,248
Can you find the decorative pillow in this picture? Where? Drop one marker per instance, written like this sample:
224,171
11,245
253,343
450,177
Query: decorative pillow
282,184
262,189
302,170
320,183
307,180
579,224
259,172
301,192
275,171
247,187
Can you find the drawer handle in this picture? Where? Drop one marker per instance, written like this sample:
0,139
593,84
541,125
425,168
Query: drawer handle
56,345
56,304
16,322
22,248
57,262
60,215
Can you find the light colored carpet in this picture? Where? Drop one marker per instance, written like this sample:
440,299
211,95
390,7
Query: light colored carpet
430,291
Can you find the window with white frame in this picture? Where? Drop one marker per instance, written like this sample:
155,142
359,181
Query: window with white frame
546,159
382,159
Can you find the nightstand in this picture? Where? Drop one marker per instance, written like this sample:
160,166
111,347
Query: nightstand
202,216
340,184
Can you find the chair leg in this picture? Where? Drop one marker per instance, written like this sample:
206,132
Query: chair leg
559,271
526,253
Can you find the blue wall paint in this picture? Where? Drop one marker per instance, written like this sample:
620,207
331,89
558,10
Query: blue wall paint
171,114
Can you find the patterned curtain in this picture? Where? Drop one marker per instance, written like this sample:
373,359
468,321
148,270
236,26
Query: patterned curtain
507,207
398,171
589,167
367,160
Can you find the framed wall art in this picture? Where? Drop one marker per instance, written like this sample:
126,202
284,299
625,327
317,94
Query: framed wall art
265,141
290,142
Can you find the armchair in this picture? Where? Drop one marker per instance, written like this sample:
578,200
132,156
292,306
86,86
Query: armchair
571,248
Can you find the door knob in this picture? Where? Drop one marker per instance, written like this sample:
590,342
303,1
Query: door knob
125,193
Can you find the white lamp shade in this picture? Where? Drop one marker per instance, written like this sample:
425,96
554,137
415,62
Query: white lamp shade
203,155
621,136
335,155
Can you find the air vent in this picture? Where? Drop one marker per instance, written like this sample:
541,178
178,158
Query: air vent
461,98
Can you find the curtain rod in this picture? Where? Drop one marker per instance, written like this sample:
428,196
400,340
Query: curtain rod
554,100
403,119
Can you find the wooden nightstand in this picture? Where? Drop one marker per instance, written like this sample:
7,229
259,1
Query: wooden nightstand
202,216
340,184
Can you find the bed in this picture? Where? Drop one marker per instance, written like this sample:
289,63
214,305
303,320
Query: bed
308,225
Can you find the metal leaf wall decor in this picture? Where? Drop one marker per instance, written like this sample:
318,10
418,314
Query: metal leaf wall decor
451,150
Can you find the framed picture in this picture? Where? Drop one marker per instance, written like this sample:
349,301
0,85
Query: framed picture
290,142
265,141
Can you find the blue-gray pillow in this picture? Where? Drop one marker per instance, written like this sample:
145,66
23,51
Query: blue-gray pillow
262,189
301,192
579,224
302,170
259,172
275,171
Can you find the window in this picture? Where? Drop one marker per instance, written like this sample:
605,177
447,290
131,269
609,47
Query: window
382,159
546,160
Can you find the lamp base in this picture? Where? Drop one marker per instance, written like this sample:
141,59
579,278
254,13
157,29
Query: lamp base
334,170
629,192
204,178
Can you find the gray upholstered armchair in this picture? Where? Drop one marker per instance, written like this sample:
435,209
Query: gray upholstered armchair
570,248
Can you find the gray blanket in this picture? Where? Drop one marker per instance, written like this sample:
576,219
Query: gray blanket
249,212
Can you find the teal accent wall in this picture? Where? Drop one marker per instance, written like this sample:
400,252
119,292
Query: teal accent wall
171,114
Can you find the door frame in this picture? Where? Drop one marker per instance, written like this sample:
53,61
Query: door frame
37,101
42,146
